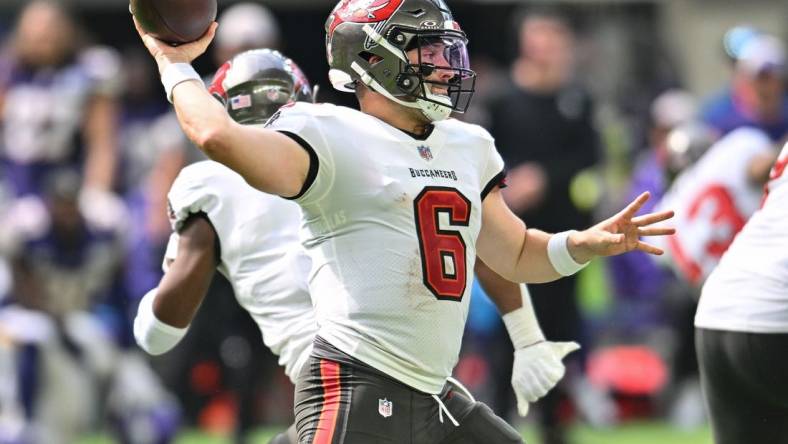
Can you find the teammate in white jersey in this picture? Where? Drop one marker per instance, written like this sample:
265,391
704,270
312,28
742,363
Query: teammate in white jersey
222,223
397,200
742,326
713,199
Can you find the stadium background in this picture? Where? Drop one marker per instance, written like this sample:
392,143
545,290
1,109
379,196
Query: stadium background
628,53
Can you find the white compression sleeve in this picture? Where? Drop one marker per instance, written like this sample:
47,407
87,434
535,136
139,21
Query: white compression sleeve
522,325
152,335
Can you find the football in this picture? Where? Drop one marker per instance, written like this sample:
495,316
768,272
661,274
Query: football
174,21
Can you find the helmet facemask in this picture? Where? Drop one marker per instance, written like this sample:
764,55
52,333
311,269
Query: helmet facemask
441,51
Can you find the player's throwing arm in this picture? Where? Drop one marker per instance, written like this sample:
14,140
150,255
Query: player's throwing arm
268,160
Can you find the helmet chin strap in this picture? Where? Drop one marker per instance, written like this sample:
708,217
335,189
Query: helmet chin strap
435,111
438,110
432,111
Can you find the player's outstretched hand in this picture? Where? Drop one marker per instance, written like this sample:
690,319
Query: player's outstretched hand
537,369
621,233
165,53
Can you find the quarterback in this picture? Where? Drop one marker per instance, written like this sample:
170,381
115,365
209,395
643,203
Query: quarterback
253,237
397,201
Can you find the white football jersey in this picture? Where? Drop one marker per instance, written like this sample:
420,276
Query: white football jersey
260,254
391,225
748,291
712,199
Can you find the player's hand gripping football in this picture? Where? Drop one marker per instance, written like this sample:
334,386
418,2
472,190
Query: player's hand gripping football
620,233
164,53
537,369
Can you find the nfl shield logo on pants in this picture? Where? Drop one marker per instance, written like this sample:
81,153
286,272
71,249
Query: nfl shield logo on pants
385,407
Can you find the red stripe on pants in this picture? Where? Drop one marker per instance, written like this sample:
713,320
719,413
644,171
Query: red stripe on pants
329,373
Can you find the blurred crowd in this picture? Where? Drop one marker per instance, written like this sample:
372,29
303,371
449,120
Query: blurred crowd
89,147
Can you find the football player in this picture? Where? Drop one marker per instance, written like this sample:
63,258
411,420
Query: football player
254,238
397,201
742,326
713,199
250,237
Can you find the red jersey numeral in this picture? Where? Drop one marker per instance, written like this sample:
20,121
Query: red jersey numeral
443,260
725,218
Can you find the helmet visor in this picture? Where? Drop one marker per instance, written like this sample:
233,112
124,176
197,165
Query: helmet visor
442,64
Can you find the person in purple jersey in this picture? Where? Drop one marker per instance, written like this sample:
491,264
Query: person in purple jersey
57,102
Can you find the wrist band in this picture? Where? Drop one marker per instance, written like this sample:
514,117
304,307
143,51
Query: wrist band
522,325
151,334
558,252
175,74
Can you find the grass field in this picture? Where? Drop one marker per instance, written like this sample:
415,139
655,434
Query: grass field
633,433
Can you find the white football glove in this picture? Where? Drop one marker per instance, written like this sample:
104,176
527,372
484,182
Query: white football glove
537,369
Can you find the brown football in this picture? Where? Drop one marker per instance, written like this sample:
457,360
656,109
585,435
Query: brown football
175,21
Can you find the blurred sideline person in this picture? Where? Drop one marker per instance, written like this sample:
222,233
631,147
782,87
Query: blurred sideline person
393,200
59,106
542,123
757,96
67,360
254,237
742,326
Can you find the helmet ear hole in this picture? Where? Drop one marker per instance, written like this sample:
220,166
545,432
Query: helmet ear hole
409,83
372,59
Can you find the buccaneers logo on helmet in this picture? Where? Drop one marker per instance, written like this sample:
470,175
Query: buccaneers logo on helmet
362,11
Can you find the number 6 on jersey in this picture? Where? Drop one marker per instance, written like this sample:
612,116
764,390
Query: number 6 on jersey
443,260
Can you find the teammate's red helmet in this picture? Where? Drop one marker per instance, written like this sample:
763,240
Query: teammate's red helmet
255,84
367,41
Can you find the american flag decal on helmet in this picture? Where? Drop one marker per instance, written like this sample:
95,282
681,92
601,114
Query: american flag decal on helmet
242,101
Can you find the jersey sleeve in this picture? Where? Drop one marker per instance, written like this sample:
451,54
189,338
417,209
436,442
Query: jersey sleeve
196,190
494,173
301,122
